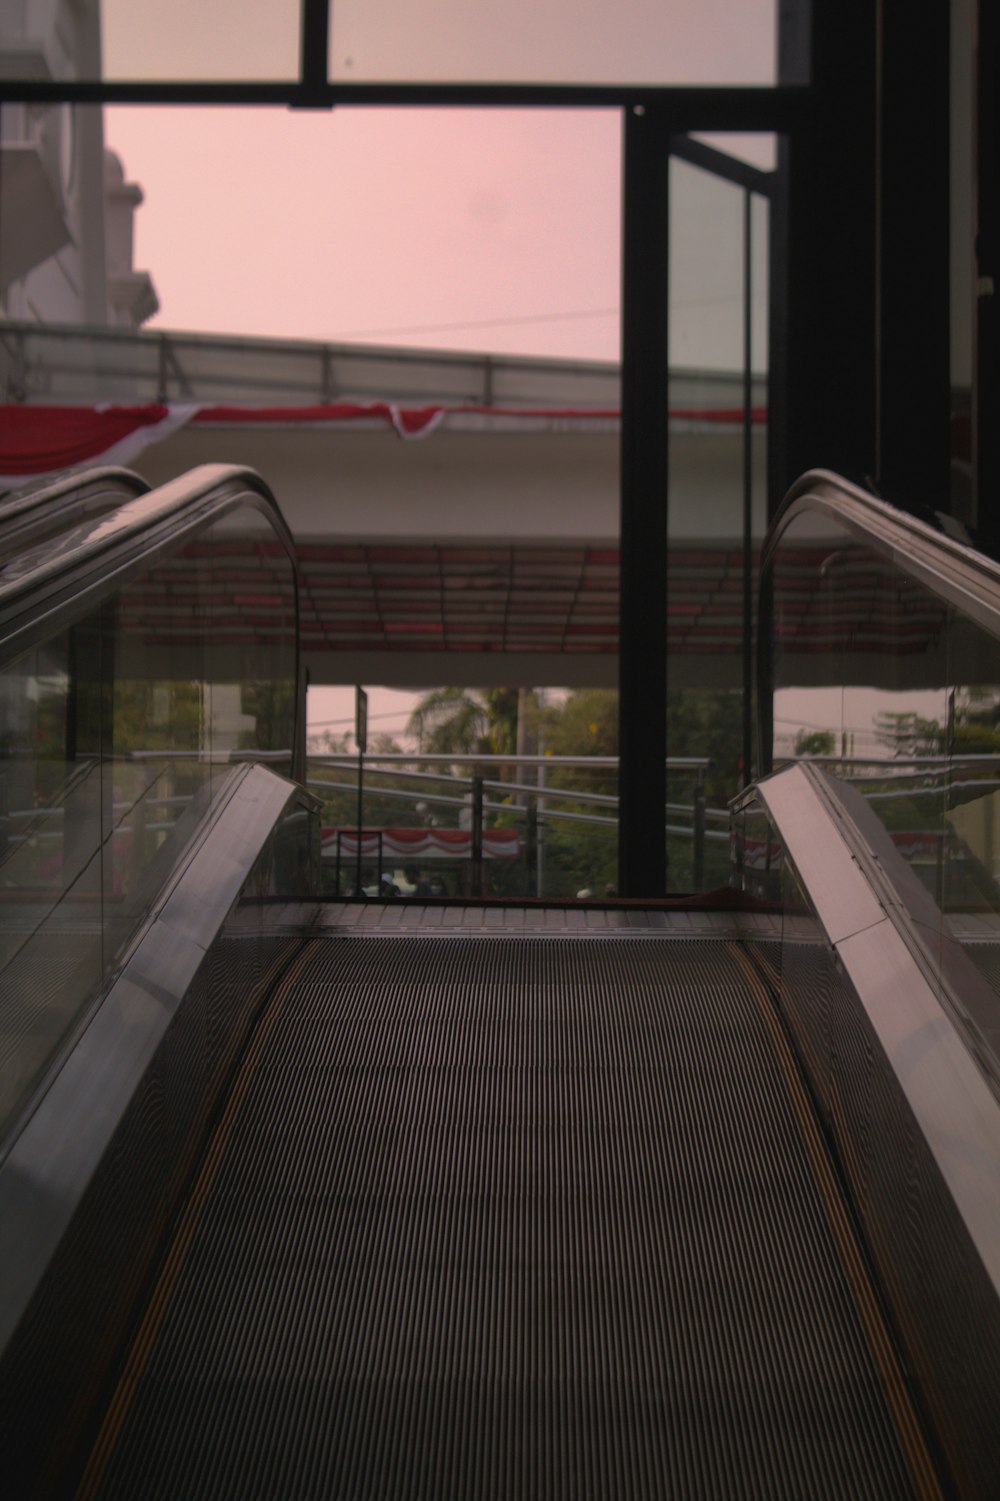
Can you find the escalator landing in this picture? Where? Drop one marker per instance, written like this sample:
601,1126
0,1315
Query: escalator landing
526,1217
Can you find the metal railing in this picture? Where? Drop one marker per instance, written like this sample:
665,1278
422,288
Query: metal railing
456,792
66,362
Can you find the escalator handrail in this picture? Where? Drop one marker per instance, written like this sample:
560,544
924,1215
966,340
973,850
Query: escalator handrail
957,574
94,559
95,490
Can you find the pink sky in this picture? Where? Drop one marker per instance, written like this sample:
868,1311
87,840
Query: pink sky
486,230
474,229
477,230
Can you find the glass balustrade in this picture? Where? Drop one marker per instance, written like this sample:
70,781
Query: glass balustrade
117,733
474,826
885,669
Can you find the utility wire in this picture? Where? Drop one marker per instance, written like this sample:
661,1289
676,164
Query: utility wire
435,328
569,317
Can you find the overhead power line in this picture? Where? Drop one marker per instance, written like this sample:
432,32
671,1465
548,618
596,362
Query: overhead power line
438,328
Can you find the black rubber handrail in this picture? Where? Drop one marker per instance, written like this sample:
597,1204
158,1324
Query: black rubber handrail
957,574
45,510
56,584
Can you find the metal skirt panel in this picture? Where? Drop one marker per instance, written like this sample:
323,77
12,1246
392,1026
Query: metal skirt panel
512,1218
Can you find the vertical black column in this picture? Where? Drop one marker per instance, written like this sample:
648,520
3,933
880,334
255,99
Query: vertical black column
747,751
914,293
823,305
314,34
986,408
860,307
642,681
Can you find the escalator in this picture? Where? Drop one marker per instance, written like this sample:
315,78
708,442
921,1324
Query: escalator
525,1232
420,1199
130,672
48,511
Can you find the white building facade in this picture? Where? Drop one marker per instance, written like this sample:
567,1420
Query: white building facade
66,208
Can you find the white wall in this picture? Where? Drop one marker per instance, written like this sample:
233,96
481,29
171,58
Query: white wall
453,487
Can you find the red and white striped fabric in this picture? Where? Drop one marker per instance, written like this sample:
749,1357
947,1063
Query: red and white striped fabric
422,844
40,440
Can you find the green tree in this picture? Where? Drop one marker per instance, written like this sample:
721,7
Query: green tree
272,706
468,721
703,722
815,743
329,743
450,721
336,786
158,716
584,724
977,722
580,853
909,734
501,720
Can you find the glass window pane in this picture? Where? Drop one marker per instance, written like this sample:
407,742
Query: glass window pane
553,41
534,769
51,835
201,39
113,736
898,694
402,41
710,221
756,150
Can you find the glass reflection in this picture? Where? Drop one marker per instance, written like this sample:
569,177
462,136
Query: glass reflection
117,734
717,462
543,41
200,39
897,693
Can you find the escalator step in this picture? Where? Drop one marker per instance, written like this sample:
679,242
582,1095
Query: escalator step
511,1218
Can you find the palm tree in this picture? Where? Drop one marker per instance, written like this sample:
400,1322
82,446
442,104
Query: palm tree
450,721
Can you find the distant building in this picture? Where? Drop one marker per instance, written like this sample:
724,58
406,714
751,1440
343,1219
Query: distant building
66,209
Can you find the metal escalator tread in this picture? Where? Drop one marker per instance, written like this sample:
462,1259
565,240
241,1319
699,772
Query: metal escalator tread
511,1218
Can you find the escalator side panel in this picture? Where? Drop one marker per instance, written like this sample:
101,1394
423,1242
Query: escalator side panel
912,1113
89,1187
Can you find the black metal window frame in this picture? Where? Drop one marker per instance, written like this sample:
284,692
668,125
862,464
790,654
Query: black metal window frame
750,108
693,107
657,124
